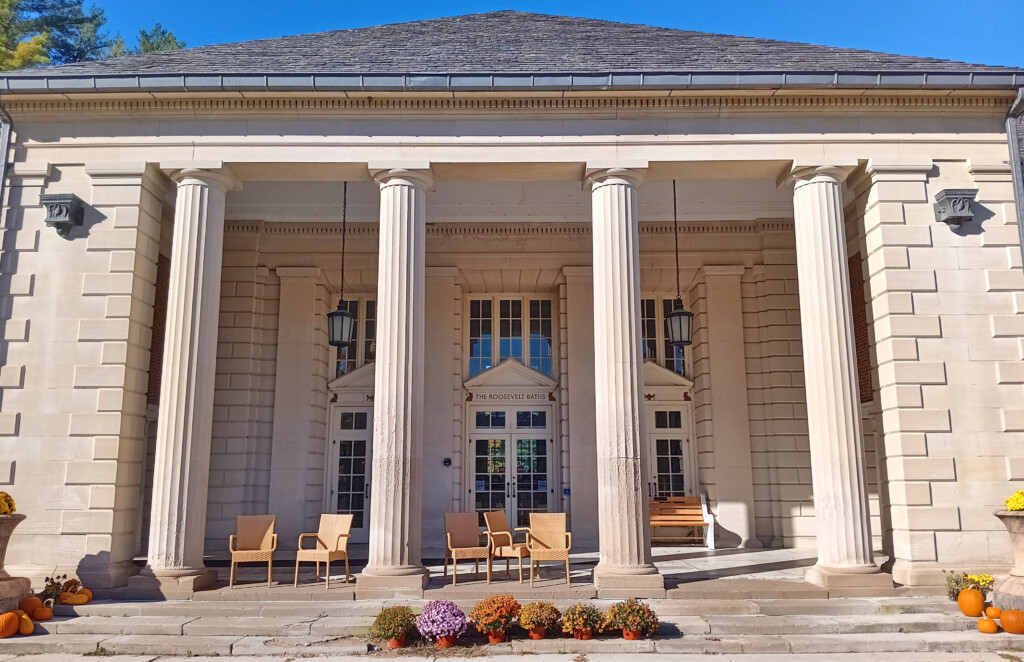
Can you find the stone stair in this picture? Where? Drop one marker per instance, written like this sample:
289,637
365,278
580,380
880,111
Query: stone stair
302,629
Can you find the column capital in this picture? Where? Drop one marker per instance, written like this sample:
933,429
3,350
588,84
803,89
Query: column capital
220,178
596,177
421,178
722,270
800,173
298,273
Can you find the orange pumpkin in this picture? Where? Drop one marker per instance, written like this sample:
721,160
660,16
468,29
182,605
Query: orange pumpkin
29,604
1012,621
77,599
25,625
63,599
19,613
86,592
988,626
993,612
44,613
971,602
9,623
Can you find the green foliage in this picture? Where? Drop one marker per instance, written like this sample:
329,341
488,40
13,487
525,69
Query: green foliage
631,615
393,622
34,32
958,581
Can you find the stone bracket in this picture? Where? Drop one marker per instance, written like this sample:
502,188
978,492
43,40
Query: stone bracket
953,206
64,211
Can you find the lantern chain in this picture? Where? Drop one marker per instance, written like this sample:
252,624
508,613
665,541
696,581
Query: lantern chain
344,236
675,234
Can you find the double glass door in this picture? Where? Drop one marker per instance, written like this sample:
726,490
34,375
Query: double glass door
512,470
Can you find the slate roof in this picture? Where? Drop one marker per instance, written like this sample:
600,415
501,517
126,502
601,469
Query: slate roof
511,50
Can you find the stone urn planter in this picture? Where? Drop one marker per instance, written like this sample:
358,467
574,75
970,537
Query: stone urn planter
1008,591
7,524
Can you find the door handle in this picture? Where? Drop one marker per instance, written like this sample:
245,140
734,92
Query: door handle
513,490
366,492
508,489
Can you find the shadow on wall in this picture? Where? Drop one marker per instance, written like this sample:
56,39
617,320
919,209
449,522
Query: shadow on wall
97,574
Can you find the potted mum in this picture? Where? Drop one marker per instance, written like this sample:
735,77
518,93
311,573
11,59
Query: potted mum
581,620
8,520
393,624
441,621
1013,519
494,615
537,617
634,618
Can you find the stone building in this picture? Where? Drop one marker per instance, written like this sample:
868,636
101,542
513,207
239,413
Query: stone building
848,243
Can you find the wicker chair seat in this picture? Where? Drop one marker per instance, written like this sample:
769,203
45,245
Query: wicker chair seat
253,542
331,545
515,551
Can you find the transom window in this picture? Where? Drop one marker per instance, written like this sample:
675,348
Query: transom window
524,333
364,346
655,335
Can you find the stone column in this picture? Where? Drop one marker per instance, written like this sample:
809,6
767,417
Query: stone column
396,501
833,404
624,564
182,464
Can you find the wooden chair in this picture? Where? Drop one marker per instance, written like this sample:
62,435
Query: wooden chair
254,542
331,545
502,544
462,534
548,540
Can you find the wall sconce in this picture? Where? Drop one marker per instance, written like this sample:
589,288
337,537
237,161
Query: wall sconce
953,206
63,211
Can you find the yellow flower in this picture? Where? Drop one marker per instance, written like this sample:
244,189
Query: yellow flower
1015,502
6,504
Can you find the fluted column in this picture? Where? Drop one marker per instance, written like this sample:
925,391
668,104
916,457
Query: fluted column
624,534
182,460
396,500
833,402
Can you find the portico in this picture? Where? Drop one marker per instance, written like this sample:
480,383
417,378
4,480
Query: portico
510,264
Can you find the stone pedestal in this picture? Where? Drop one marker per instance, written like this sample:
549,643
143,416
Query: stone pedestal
12,589
1008,591
394,562
833,404
182,462
624,565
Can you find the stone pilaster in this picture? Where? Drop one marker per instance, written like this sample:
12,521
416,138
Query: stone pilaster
734,476
625,548
396,502
833,404
182,457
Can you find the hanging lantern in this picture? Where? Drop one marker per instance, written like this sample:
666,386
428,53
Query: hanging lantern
679,321
680,325
341,324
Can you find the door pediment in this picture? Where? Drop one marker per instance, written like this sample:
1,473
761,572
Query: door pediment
360,379
510,375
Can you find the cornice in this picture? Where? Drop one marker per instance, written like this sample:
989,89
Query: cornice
995,102
503,230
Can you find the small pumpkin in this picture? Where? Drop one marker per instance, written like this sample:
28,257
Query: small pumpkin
63,599
29,604
988,626
1012,621
87,593
77,599
993,612
19,613
9,624
45,612
25,625
971,602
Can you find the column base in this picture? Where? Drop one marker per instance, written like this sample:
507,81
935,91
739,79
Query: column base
642,581
180,585
404,581
853,581
12,590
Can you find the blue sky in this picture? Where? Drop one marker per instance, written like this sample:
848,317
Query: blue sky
976,31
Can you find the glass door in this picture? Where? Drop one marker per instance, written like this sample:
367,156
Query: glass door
670,453
349,492
511,471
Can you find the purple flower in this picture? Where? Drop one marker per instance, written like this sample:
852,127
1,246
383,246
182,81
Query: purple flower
441,618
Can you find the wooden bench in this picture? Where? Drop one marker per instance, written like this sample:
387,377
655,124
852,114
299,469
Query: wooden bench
685,512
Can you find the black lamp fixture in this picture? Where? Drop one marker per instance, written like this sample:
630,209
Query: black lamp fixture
680,320
341,323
